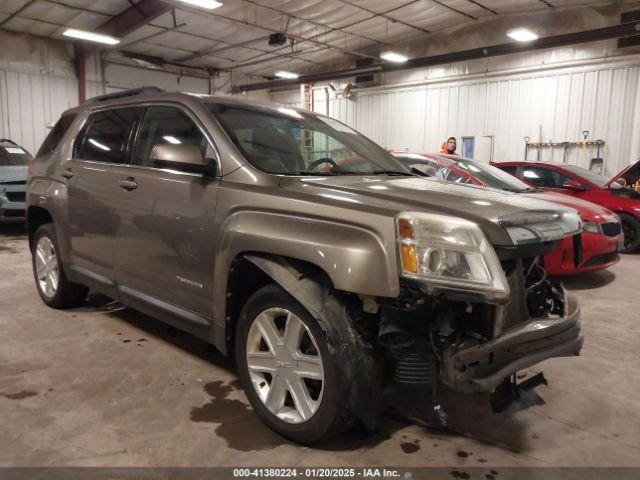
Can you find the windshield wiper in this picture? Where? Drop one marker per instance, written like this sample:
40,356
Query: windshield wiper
320,174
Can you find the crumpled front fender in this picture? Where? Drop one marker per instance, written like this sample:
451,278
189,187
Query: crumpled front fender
359,363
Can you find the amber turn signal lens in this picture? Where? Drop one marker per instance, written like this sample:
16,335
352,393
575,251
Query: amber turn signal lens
405,229
409,258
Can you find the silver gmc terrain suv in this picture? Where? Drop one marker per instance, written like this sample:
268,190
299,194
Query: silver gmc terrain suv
330,270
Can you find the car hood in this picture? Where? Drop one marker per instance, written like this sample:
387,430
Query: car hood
630,174
497,212
588,211
13,174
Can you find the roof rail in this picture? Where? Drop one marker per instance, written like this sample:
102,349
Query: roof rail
6,140
125,93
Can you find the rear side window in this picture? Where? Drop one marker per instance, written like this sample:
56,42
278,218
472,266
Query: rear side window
55,135
105,137
510,169
544,177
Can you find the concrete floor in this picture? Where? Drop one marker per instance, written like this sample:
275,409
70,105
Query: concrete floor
90,387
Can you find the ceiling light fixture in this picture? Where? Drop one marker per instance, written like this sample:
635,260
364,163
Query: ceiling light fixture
172,139
90,36
522,35
208,4
394,57
285,74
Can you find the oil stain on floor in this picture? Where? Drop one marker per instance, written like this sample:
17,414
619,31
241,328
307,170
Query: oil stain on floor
238,424
20,395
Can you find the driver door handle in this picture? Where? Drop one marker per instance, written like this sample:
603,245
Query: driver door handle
68,173
128,184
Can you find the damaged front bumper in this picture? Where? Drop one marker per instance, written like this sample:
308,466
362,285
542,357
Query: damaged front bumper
482,367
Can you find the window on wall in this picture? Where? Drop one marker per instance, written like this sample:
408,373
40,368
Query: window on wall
105,137
166,126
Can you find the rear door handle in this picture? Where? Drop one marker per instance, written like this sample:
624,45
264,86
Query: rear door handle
128,184
67,173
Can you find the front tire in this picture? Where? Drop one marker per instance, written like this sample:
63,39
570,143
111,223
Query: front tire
52,284
286,368
631,230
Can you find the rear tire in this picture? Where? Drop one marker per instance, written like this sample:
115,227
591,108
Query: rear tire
631,228
51,282
325,415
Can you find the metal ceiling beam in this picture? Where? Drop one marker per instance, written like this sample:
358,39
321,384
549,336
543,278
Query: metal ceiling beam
484,7
442,4
313,22
357,22
17,12
383,15
230,46
257,26
117,26
128,21
606,33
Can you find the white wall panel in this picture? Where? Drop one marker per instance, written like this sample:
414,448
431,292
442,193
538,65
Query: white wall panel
29,101
564,102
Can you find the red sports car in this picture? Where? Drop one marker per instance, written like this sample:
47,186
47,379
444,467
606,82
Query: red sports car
620,194
595,249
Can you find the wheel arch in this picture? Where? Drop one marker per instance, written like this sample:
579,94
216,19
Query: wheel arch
359,361
36,217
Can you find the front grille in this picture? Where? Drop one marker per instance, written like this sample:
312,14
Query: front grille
600,259
15,213
16,196
611,229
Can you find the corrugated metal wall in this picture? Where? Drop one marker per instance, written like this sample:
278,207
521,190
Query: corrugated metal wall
29,101
600,99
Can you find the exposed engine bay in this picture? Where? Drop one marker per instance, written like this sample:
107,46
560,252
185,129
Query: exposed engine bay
472,345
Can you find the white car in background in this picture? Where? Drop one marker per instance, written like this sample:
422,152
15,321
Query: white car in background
14,166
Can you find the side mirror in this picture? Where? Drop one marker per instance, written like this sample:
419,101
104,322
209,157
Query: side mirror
572,185
183,156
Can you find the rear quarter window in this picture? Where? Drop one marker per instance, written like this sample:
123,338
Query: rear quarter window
55,135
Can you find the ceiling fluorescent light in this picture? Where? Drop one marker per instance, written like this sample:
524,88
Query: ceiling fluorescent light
394,57
172,139
209,4
285,74
522,35
90,36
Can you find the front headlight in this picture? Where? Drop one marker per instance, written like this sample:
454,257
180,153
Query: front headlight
591,227
449,252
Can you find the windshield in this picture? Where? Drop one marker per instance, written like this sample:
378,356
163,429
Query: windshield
588,175
491,176
465,170
286,141
14,157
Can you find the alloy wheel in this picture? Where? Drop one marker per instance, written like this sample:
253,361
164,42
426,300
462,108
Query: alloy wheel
285,365
47,267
